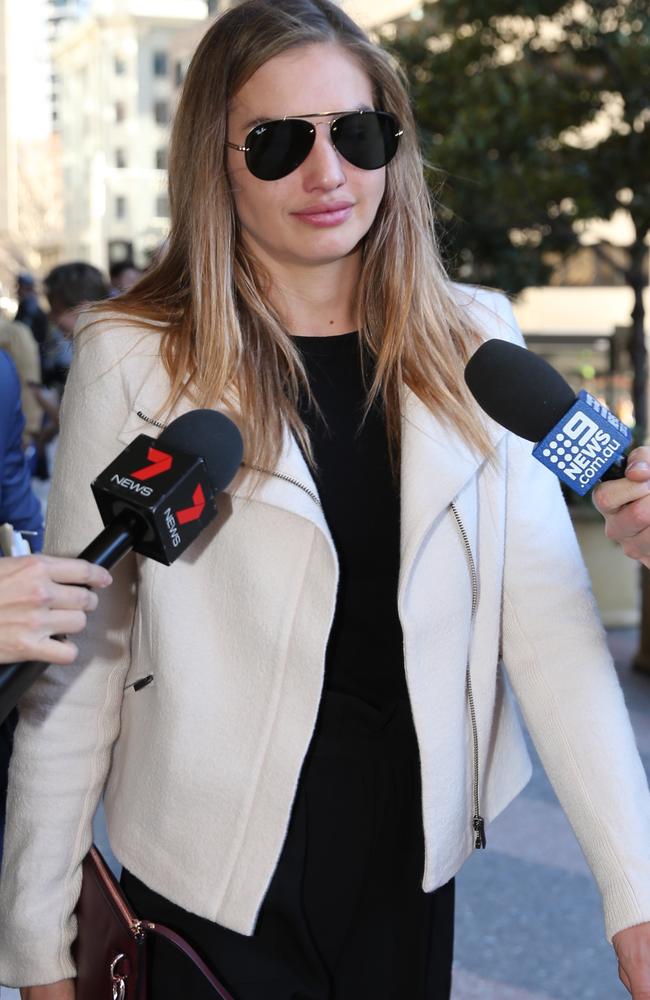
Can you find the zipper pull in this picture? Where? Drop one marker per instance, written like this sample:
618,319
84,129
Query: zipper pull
478,825
138,685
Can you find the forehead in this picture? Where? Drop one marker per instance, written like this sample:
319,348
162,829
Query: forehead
312,78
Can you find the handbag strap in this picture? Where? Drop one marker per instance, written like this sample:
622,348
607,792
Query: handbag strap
196,959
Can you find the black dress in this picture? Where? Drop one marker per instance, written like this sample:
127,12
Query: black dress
345,917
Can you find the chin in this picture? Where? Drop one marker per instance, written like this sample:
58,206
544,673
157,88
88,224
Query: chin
327,251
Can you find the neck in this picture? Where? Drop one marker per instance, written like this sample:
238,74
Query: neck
317,301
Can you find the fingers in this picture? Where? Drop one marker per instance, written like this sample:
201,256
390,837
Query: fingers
62,652
625,979
628,521
75,571
625,505
609,498
68,598
640,454
48,623
41,597
32,637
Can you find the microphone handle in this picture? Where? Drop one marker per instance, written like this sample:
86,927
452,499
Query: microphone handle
105,550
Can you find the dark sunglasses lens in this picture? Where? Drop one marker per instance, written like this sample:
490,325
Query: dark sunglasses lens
367,140
277,148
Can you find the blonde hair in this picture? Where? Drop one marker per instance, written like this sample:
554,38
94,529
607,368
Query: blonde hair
222,341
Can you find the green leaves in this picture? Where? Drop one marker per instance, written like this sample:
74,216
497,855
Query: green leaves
535,116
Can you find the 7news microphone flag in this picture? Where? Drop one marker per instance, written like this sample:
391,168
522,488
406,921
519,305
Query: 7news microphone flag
576,437
154,499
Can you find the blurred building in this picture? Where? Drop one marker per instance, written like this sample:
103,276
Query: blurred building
24,128
8,148
375,13
61,15
116,100
369,13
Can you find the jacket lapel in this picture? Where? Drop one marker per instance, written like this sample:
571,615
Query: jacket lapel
436,465
290,486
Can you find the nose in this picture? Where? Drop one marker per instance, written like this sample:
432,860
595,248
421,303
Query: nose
323,168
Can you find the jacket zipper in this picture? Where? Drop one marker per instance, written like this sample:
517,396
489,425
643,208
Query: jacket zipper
478,823
287,479
255,468
150,420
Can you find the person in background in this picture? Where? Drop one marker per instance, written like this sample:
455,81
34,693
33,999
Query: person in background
29,311
40,596
68,287
18,341
19,507
123,275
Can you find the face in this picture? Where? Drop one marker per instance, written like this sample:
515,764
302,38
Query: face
321,211
62,316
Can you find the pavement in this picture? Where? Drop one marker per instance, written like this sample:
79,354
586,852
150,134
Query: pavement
529,923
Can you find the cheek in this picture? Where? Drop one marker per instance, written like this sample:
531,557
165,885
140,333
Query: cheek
249,206
373,186
259,204
380,184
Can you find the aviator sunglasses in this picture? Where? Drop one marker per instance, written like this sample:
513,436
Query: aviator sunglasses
366,139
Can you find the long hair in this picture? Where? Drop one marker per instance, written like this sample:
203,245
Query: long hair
222,340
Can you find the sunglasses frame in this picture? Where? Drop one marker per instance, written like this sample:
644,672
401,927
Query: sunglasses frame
334,115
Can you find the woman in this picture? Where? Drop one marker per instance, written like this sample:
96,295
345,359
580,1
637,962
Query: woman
327,728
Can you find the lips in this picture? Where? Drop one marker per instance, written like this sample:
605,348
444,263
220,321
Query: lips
326,214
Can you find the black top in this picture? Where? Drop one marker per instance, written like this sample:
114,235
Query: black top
360,498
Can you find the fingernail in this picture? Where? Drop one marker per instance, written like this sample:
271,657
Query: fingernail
643,466
107,579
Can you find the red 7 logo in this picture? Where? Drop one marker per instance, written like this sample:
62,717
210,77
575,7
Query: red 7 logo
161,462
192,513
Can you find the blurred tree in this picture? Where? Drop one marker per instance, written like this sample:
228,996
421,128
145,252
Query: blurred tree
535,120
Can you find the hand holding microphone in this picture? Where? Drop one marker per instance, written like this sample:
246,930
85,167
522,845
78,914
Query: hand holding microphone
155,498
625,505
42,596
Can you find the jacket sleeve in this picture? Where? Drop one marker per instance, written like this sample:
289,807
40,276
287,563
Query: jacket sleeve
18,503
557,659
70,718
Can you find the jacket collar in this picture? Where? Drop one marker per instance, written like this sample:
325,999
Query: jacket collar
290,486
436,463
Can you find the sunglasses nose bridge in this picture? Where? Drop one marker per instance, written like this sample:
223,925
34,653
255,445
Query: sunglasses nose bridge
324,150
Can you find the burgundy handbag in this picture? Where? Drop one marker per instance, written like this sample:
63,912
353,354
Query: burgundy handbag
111,946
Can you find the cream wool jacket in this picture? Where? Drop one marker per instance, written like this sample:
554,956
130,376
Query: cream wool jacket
200,767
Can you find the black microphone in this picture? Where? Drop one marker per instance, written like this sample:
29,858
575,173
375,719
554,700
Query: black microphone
155,498
576,437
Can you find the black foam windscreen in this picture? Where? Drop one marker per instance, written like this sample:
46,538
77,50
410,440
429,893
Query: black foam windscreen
213,437
518,389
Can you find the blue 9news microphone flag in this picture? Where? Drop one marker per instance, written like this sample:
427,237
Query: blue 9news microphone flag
584,444
577,437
